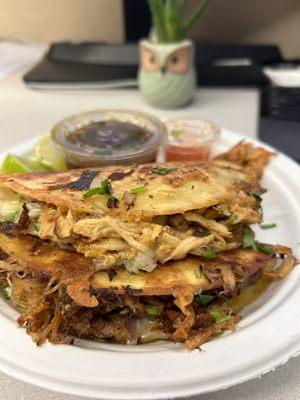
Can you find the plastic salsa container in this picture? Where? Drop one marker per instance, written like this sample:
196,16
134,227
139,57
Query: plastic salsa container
190,140
107,137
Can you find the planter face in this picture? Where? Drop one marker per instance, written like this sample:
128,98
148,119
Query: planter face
167,77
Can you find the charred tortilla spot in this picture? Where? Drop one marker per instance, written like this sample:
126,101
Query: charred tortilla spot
119,175
111,273
131,291
83,183
105,294
8,227
112,203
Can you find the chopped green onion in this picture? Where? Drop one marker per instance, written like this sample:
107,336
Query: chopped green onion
4,292
255,194
265,249
267,226
198,273
204,298
104,189
223,207
138,189
93,192
176,133
152,310
163,170
248,238
206,233
218,316
208,252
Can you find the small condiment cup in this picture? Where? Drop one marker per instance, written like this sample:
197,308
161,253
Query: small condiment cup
79,155
190,140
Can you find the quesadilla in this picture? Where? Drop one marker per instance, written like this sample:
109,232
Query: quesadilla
135,217
61,297
136,253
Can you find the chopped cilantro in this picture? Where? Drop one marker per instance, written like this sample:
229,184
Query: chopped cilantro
218,316
138,189
224,209
4,292
176,133
163,170
104,189
248,238
232,219
267,226
204,298
152,310
208,252
264,249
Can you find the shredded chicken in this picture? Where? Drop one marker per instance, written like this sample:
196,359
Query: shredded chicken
209,224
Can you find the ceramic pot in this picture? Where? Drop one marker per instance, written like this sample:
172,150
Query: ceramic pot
167,77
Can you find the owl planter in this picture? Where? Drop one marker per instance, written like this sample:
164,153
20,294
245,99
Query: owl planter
167,77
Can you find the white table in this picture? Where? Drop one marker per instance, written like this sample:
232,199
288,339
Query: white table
25,113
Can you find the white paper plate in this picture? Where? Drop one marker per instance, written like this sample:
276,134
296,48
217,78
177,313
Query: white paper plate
268,335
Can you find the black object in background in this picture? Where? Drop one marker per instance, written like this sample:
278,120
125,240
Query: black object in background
84,63
137,19
282,103
280,119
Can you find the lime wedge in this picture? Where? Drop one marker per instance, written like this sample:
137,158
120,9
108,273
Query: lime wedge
14,165
34,164
50,155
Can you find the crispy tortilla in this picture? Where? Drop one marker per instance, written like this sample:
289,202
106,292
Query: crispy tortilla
77,272
186,187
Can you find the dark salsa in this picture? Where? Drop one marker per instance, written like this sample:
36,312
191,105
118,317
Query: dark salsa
109,136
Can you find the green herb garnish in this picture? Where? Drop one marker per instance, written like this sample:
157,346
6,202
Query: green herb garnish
224,209
152,310
208,252
176,133
232,219
248,238
239,181
104,189
198,273
204,298
218,316
255,194
36,225
4,292
163,170
267,226
265,249
138,189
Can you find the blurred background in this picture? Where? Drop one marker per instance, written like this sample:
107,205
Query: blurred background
235,21
64,57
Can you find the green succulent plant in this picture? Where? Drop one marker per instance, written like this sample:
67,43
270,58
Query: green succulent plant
167,19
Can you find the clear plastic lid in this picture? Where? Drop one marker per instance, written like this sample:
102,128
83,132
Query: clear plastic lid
104,137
